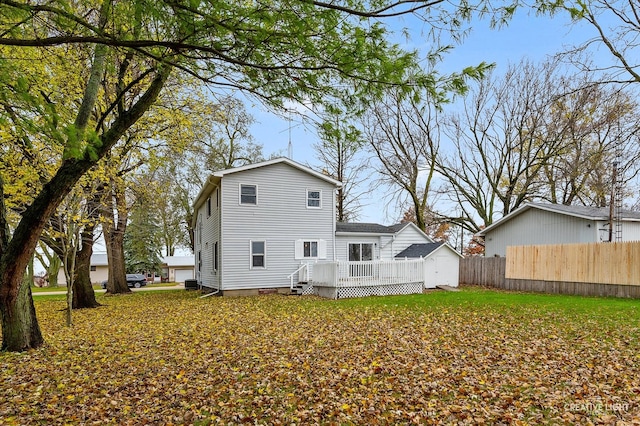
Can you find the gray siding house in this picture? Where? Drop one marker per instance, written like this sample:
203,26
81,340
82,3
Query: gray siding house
263,226
254,225
537,223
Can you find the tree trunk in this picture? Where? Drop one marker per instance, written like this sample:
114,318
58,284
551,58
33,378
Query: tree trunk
20,329
83,294
116,212
53,269
115,257
29,274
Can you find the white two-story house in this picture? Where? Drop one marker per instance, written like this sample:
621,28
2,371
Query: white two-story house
255,224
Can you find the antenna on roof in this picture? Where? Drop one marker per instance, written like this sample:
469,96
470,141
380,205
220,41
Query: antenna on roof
290,147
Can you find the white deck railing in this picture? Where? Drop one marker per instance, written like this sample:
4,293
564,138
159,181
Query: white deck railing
341,274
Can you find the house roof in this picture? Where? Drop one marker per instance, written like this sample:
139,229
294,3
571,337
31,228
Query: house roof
215,178
99,259
583,212
363,228
400,226
278,160
173,261
419,250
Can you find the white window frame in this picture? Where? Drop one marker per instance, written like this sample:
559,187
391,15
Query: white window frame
240,194
373,255
319,199
263,254
208,207
321,249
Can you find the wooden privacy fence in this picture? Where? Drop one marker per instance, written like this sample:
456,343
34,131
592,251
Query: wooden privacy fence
595,269
602,263
488,271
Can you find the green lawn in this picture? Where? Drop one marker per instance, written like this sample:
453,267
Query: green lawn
473,357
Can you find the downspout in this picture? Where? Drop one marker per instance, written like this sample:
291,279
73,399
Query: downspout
220,245
334,224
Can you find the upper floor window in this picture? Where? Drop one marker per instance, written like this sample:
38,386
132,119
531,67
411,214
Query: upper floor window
248,194
313,198
208,206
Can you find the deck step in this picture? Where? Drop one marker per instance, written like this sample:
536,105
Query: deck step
300,288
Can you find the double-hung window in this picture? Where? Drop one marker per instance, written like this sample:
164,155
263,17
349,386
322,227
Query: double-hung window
258,254
248,194
313,199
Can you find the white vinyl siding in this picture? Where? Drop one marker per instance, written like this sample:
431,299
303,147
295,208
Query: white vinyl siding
208,235
408,235
280,218
536,226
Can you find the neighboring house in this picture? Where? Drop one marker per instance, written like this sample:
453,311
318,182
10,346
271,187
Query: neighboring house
257,225
176,268
536,223
99,269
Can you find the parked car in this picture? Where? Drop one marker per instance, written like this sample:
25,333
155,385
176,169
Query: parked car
133,280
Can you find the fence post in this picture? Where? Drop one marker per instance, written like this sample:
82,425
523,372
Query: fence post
424,272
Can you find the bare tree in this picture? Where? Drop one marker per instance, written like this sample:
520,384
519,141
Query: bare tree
600,127
341,157
617,30
225,141
402,131
501,144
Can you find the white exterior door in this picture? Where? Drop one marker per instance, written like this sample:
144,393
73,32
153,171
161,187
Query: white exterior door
441,270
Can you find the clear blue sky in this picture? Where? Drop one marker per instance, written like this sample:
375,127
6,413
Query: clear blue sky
526,36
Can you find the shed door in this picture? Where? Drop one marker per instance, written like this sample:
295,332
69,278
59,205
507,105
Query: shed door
442,270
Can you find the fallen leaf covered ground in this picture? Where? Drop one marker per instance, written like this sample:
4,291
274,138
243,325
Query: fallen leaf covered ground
473,357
